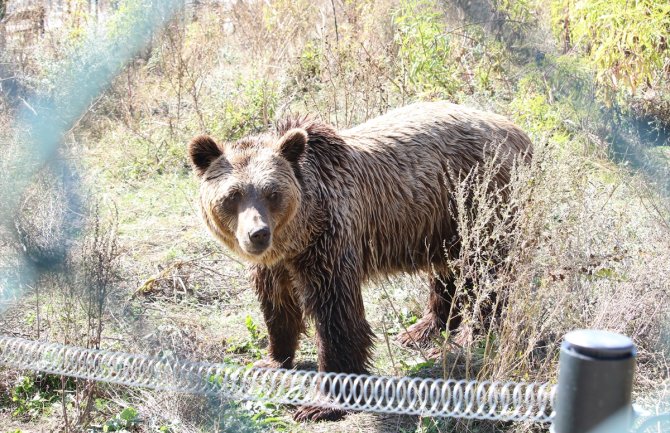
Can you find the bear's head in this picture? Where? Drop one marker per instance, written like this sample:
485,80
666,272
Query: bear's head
250,191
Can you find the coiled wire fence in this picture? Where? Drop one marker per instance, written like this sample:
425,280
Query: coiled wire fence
500,401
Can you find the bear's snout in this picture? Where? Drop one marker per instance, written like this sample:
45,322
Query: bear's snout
254,233
260,237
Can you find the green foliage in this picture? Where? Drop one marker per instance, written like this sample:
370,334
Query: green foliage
407,317
309,69
515,17
132,14
626,41
424,49
249,107
417,368
268,415
489,58
556,101
77,20
518,12
252,328
251,345
532,107
310,59
251,417
34,395
434,425
125,420
148,156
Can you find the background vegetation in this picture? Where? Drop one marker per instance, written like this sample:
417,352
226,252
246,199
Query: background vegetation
122,262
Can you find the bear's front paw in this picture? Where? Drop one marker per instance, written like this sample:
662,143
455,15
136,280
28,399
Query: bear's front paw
313,413
271,363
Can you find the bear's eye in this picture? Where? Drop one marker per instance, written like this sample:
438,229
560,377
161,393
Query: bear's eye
232,200
273,198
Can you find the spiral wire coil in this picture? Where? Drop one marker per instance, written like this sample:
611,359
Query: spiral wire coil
502,401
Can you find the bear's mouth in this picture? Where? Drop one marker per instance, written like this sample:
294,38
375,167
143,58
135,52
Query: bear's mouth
254,250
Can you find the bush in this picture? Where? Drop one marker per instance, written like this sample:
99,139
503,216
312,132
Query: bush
626,42
424,50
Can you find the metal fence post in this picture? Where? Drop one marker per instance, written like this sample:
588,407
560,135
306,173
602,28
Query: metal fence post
595,381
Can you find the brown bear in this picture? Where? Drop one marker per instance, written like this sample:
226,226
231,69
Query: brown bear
318,212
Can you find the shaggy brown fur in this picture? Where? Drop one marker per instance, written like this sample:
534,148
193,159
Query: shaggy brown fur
319,212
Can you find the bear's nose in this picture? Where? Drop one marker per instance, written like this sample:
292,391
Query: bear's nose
260,236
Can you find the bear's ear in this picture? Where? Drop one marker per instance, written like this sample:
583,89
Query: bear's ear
292,144
203,151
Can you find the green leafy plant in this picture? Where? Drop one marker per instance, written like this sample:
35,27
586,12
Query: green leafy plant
519,13
127,419
249,107
424,49
417,368
34,395
407,317
251,345
626,41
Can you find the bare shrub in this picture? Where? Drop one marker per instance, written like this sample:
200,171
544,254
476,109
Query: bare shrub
71,297
576,254
348,79
80,305
48,216
270,31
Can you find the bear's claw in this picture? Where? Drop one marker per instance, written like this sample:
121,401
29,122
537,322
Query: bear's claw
314,414
420,333
269,363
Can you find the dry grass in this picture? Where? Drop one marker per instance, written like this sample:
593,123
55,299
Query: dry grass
579,255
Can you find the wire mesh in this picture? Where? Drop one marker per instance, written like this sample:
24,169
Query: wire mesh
504,401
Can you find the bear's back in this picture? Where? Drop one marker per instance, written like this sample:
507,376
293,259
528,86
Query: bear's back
399,167
459,128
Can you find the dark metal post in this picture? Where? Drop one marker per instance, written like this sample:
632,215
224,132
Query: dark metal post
595,381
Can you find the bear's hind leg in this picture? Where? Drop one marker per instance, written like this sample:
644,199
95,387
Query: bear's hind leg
438,314
283,315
